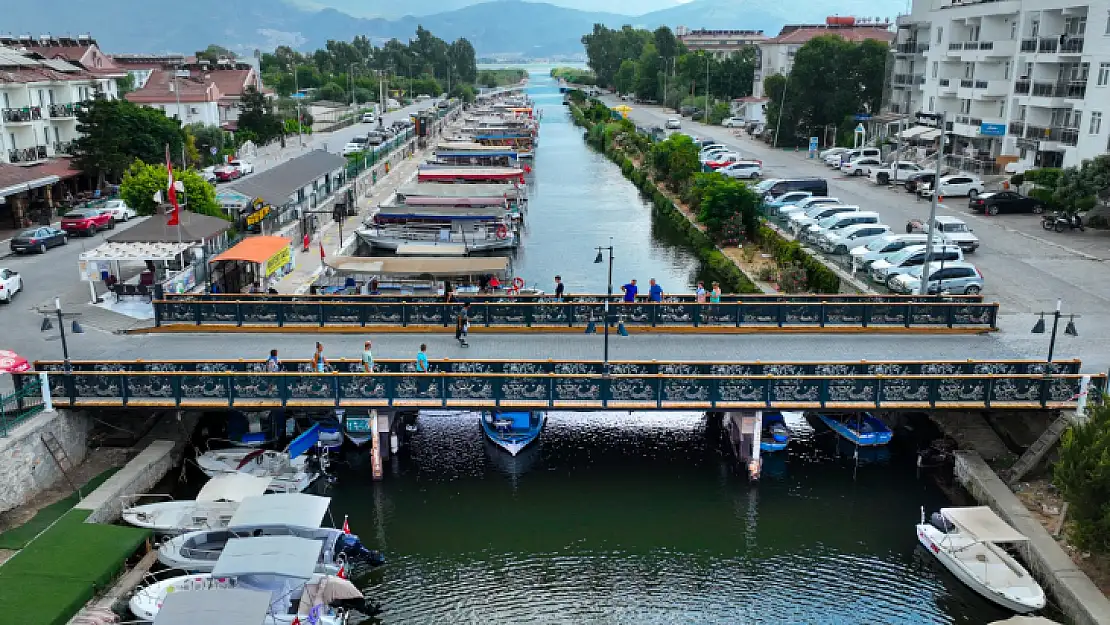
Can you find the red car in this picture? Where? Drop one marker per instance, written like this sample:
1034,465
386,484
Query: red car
87,221
722,160
226,173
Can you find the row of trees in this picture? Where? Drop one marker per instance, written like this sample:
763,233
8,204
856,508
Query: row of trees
832,79
1072,189
350,71
641,62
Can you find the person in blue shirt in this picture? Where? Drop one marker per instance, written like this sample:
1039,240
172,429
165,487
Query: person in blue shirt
630,291
422,359
655,292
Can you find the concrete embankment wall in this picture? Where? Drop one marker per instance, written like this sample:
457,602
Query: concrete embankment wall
26,467
138,476
1068,586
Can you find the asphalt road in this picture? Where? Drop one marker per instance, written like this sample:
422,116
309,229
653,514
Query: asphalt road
1025,268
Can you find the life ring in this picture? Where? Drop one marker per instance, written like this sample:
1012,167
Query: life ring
502,233
518,282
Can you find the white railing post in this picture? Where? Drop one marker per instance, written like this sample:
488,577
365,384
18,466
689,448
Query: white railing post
44,386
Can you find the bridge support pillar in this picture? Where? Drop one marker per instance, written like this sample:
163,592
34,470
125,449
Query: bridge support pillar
744,431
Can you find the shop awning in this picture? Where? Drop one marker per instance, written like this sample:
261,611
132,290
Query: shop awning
136,251
930,135
255,249
410,266
910,133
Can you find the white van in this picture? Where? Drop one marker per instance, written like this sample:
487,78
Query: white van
835,160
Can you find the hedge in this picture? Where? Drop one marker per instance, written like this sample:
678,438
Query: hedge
819,278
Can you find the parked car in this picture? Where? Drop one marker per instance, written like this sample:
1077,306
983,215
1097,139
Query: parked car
995,202
721,159
733,122
836,159
227,173
955,185
209,174
882,271
743,169
10,284
814,232
87,221
860,166
856,235
955,277
38,239
885,247
119,209
953,229
686,111
244,167
826,153
816,186
673,124
712,146
710,151
368,118
775,205
898,170
806,204
355,145
375,138
798,223
916,179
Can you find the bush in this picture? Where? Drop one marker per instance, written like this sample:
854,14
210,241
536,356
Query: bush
1083,476
819,278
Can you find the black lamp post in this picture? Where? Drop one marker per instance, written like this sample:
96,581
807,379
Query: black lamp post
1069,329
600,258
46,325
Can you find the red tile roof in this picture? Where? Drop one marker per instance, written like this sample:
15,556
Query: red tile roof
802,34
9,75
60,167
160,89
12,176
231,82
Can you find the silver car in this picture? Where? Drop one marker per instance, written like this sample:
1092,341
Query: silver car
883,271
885,247
839,242
955,277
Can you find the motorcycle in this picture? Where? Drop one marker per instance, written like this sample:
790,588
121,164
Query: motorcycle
1059,222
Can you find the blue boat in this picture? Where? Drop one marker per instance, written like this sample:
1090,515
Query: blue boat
513,431
860,428
775,435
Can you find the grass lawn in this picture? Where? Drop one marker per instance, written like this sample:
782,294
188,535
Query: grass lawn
17,537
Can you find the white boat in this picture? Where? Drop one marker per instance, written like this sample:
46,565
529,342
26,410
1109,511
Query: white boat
288,514
291,471
212,509
271,576
476,236
964,540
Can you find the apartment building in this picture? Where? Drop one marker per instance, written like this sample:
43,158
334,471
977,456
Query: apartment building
195,91
1019,80
39,96
720,43
777,53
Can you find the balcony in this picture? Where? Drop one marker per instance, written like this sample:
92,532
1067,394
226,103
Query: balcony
955,45
908,79
911,47
22,115
62,111
1071,45
1056,134
1016,129
1021,87
1071,89
27,155
63,147
1028,45
1048,45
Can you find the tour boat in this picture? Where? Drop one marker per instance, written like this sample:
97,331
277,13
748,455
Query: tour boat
472,237
469,175
292,470
513,431
278,572
860,428
290,514
775,435
964,541
212,509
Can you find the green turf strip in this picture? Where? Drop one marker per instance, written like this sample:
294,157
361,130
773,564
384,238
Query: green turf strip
18,537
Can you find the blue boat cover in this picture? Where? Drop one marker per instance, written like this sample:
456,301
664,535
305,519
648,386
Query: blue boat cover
304,442
520,420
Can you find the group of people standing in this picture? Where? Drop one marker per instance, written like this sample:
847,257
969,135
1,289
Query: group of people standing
319,363
655,292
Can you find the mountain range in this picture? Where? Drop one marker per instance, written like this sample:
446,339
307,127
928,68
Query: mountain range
528,29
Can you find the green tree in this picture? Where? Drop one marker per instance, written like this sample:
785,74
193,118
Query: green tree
665,42
113,133
256,117
723,199
464,65
361,95
487,79
1080,188
648,77
625,80
676,160
332,92
206,138
142,181
1083,476
213,53
125,84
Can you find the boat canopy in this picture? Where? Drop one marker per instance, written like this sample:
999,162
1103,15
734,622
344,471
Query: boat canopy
394,266
430,200
226,606
469,147
284,556
233,487
294,509
465,154
473,173
433,248
431,189
981,523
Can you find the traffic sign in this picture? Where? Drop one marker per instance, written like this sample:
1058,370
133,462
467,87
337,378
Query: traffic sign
859,128
812,147
862,117
212,150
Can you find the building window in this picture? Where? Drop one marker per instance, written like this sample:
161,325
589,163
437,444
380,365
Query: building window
1006,73
57,135
1002,110
45,136
965,106
1103,74
973,34
11,138
1075,25
931,102
7,102
1013,29
1108,24
1035,28
1021,113
936,66
940,33
969,70
1096,122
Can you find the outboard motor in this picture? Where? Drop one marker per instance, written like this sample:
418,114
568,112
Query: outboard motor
350,546
367,606
938,521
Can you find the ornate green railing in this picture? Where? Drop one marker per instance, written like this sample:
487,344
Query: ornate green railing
312,311
573,384
24,403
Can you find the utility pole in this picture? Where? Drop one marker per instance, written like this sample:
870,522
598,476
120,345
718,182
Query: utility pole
297,95
177,94
933,209
707,88
782,107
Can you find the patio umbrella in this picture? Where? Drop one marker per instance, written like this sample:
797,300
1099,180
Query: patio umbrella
11,362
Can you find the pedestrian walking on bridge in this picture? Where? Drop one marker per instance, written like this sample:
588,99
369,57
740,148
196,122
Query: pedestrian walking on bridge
319,363
367,358
422,359
462,325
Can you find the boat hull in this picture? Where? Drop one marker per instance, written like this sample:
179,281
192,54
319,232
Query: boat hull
934,541
391,243
880,436
167,518
294,478
192,551
147,601
513,441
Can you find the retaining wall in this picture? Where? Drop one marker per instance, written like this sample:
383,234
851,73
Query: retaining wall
138,476
26,467
1077,596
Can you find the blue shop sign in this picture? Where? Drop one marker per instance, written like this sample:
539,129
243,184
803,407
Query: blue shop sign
992,130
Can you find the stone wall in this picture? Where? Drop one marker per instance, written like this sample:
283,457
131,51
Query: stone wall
138,476
26,467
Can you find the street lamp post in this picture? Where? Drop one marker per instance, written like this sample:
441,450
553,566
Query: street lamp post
46,325
600,258
1038,328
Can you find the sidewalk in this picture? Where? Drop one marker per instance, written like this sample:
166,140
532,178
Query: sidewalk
309,265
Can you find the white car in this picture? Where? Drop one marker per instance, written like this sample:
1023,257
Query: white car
959,185
882,271
10,284
884,247
813,233
826,153
953,229
244,167
733,122
712,146
209,174
835,159
860,166
798,223
747,170
805,205
840,241
673,124
368,118
120,210
898,170
710,154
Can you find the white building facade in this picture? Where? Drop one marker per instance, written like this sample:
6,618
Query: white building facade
1019,80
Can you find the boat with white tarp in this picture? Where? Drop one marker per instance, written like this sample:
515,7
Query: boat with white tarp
291,471
213,507
965,541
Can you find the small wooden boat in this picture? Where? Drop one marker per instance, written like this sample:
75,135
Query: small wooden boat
860,428
513,431
964,541
775,435
212,509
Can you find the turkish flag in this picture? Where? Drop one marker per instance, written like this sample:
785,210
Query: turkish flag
171,192
342,573
321,250
346,527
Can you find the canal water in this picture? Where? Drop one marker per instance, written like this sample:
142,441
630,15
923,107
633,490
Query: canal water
641,518
578,200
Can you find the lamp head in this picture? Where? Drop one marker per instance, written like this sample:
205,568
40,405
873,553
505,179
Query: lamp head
1070,328
1038,328
599,258
46,325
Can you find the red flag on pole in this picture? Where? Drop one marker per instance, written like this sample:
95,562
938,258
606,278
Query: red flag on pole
342,573
296,620
346,526
171,192
321,250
